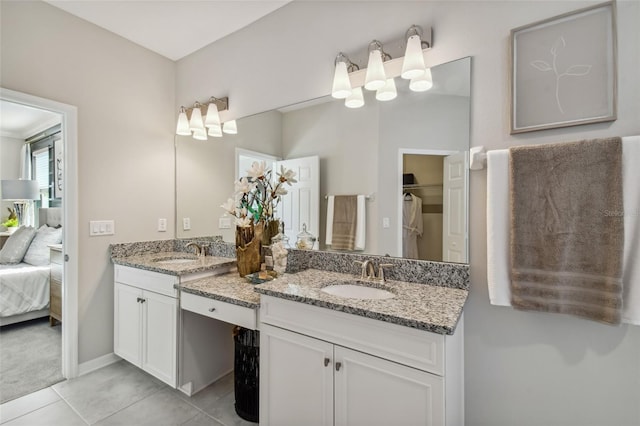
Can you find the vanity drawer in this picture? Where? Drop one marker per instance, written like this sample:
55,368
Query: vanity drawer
223,311
147,280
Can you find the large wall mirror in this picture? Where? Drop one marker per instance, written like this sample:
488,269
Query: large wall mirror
408,156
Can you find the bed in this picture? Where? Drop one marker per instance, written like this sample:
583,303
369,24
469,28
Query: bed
24,288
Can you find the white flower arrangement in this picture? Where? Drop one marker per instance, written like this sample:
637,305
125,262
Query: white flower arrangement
257,195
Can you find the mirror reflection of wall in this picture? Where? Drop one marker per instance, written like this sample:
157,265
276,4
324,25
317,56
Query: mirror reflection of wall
358,151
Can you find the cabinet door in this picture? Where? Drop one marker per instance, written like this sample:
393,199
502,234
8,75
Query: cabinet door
372,391
127,321
296,379
159,327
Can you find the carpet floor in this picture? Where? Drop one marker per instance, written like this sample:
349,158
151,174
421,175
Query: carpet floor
30,358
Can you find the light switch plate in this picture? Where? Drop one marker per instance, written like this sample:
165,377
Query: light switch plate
186,223
101,227
385,222
224,223
162,225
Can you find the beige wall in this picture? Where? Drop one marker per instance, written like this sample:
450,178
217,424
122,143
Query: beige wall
520,368
126,120
9,167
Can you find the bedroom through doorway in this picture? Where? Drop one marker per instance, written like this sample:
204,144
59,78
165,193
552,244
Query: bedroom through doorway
38,312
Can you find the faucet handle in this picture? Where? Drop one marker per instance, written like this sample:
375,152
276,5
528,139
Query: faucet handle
203,249
363,273
381,270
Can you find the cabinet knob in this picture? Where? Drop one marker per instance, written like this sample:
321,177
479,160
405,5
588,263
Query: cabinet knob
143,300
338,365
326,361
212,309
139,300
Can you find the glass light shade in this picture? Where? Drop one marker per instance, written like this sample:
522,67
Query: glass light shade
356,99
375,77
413,63
388,91
341,84
200,134
230,127
215,131
422,83
183,125
213,117
196,122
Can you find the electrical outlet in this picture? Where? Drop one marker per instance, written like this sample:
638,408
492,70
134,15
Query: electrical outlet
186,223
101,227
385,222
162,225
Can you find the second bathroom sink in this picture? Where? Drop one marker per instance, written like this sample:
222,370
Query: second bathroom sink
357,290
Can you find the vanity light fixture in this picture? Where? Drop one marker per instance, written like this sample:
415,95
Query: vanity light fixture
356,99
230,127
375,77
183,123
190,120
422,83
212,122
196,123
388,91
413,63
341,84
382,70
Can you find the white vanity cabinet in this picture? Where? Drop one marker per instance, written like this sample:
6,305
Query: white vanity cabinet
323,367
146,321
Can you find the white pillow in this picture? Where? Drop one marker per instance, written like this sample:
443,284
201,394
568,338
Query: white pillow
38,252
16,245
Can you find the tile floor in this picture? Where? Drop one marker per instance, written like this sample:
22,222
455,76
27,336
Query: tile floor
121,394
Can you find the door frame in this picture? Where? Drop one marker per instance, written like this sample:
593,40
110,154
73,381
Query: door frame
69,114
398,195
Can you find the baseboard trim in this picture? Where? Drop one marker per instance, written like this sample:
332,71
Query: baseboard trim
96,363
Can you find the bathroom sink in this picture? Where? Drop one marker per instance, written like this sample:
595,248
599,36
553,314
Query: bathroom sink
357,290
177,261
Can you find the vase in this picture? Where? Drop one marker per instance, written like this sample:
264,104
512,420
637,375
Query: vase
248,248
270,230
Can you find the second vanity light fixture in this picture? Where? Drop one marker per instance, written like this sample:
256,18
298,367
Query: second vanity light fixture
376,78
191,123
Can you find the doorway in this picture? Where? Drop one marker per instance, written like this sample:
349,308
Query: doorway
69,186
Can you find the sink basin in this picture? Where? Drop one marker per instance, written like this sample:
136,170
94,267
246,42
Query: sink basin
357,290
175,261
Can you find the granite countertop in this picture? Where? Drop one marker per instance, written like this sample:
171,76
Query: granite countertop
230,288
426,307
150,262
421,306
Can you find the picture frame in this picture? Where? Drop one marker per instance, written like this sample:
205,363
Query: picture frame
563,70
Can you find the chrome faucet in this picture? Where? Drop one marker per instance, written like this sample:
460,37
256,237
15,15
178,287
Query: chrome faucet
381,270
196,247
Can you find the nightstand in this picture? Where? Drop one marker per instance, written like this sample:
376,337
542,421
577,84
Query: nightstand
4,236
55,284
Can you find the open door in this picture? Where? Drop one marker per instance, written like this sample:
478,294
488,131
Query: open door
301,205
455,200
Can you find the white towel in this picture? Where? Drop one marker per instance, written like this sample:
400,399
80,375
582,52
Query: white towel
498,228
361,224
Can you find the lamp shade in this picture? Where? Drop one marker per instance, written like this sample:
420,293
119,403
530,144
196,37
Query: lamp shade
422,83
200,134
215,131
183,124
230,127
213,117
413,63
196,122
341,84
388,91
18,190
375,77
356,99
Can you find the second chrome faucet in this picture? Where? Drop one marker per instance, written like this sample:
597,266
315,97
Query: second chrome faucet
369,271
